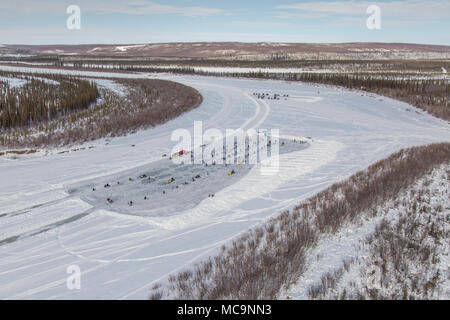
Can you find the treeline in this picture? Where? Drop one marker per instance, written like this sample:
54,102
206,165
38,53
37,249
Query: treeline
43,100
279,60
272,256
147,103
430,95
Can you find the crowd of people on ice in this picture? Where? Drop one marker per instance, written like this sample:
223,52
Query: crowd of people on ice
268,96
237,152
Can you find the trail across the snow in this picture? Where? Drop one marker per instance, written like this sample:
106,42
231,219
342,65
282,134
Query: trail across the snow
121,255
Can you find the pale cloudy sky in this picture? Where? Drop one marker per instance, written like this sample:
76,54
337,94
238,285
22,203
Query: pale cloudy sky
144,21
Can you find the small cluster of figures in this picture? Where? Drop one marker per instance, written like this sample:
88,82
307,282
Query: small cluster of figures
275,96
196,177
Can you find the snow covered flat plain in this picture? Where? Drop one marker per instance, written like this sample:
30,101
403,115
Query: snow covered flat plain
44,228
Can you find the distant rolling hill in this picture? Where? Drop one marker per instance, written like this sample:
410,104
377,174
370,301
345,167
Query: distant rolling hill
237,50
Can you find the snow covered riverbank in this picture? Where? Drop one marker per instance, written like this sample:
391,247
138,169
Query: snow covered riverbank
364,255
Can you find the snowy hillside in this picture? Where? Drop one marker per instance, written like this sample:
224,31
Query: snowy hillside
410,232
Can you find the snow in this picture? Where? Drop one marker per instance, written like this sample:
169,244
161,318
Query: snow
13,82
125,48
238,69
17,82
186,192
110,85
329,255
29,63
121,254
350,245
48,81
70,72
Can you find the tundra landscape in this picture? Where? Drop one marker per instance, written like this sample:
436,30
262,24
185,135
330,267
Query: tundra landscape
218,170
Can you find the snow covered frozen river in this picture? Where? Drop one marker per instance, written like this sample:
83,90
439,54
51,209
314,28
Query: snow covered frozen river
44,229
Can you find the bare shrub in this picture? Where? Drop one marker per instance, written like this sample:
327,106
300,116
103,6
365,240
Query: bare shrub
271,256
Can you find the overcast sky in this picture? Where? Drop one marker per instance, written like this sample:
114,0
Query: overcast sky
143,21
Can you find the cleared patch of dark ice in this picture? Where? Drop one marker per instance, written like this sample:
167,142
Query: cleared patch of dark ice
164,188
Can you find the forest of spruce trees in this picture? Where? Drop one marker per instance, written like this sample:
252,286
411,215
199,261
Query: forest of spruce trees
40,99
61,110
